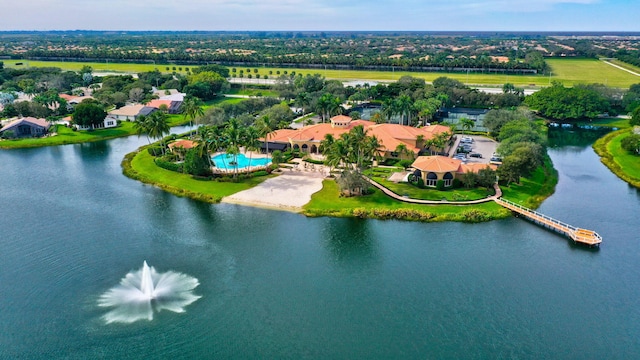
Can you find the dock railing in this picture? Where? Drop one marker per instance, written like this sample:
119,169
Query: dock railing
576,234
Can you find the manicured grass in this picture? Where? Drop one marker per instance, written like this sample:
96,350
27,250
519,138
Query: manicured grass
140,166
625,165
97,66
66,135
252,92
533,190
380,176
328,202
589,71
626,66
567,71
219,100
620,162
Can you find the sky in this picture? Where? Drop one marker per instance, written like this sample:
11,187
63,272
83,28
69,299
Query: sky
318,15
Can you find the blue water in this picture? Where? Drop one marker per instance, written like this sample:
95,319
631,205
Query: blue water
279,285
223,161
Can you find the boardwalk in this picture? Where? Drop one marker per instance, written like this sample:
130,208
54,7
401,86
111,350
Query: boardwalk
578,235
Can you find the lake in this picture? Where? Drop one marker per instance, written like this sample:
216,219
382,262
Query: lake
280,285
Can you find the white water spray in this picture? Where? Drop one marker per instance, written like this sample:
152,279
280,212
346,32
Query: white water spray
142,292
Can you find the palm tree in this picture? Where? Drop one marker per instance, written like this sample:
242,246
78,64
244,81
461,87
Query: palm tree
303,100
157,126
466,123
141,126
265,129
192,109
389,109
404,106
251,142
233,132
402,150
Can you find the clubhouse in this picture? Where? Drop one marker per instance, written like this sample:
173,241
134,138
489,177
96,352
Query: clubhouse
308,138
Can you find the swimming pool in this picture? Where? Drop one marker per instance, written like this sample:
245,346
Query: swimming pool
225,161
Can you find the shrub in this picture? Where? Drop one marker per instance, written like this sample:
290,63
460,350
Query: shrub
456,183
259,173
154,150
168,165
440,185
405,163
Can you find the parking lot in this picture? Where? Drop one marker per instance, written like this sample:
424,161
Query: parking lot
480,145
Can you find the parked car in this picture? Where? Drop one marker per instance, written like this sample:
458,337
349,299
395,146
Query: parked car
495,160
466,140
476,155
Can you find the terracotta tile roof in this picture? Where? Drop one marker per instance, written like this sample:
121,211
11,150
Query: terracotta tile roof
390,135
66,96
437,164
156,103
184,143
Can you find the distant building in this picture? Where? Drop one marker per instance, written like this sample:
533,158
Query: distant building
25,127
131,112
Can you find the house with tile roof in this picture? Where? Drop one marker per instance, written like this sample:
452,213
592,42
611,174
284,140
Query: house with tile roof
131,112
173,107
308,138
434,168
25,127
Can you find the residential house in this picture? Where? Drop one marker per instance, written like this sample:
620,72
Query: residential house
434,168
25,127
131,112
173,107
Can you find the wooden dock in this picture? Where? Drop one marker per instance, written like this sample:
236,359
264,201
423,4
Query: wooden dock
578,235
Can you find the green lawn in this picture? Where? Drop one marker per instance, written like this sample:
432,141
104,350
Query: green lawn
589,71
533,190
567,71
252,92
380,176
66,135
328,202
629,163
141,166
626,66
97,66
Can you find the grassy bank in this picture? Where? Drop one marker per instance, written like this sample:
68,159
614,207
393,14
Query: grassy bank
139,165
566,71
66,135
530,192
618,160
328,202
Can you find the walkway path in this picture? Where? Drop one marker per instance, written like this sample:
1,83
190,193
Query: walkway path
436,202
621,68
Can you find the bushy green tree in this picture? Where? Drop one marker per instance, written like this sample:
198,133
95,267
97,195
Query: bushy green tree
196,163
88,113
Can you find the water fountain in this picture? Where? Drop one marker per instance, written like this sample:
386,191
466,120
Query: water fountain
144,291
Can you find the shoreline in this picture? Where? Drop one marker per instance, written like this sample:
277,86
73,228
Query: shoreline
601,148
325,200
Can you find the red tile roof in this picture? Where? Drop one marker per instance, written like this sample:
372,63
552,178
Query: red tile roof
184,143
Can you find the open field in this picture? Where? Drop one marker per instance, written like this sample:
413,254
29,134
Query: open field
626,66
567,71
589,71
